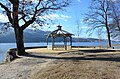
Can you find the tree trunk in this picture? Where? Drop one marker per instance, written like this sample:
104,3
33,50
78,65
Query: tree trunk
19,41
108,32
109,40
17,29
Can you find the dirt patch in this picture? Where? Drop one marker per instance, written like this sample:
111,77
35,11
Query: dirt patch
79,70
72,66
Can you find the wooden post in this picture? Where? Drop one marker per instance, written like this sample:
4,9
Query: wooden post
65,43
53,43
47,40
71,42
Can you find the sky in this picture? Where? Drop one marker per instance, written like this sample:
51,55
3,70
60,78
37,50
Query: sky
76,11
68,19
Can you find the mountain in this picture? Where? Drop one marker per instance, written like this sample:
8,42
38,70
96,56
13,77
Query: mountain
35,36
88,39
29,36
7,37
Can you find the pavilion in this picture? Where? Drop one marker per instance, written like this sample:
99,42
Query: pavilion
67,37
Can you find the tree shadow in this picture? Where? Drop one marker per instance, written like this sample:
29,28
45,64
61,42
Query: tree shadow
115,58
96,51
82,51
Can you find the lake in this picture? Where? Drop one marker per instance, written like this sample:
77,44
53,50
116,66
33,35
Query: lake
5,46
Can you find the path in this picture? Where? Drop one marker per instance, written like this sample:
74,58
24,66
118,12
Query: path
22,68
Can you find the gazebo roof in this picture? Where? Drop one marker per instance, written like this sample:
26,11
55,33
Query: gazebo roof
59,33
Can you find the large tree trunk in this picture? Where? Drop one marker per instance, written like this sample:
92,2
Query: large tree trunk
108,34
19,41
108,31
109,39
17,29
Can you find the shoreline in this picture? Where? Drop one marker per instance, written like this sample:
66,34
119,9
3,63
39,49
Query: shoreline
12,51
9,46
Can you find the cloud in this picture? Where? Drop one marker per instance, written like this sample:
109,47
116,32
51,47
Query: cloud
111,0
3,18
79,0
36,0
49,27
82,27
56,17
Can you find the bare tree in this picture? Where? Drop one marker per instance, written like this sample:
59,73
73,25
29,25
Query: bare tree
79,30
98,16
115,15
99,34
28,12
115,7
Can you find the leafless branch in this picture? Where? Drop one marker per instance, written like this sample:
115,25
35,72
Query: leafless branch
8,12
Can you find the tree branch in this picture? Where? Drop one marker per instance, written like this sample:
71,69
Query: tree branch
28,23
36,10
12,1
8,12
23,17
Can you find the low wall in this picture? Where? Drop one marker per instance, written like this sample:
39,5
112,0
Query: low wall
12,53
58,47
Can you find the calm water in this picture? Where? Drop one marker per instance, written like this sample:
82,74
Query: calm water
5,46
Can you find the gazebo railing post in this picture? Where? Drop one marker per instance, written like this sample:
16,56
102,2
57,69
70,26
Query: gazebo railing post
71,42
65,43
47,40
53,43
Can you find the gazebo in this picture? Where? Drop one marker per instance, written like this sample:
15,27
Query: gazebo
62,34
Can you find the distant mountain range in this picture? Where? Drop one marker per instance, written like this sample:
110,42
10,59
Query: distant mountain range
35,36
